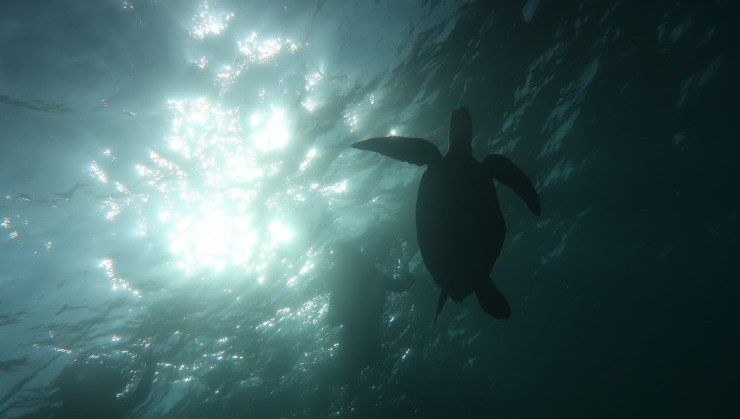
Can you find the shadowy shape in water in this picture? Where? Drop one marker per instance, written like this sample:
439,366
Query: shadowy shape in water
459,223
59,197
34,105
357,297
13,364
90,389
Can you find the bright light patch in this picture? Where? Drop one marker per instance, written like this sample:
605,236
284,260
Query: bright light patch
309,105
144,171
336,188
255,120
261,51
207,22
165,216
124,190
270,133
201,63
312,80
208,193
118,284
206,188
227,76
309,264
243,168
279,232
212,238
309,157
352,120
113,209
97,172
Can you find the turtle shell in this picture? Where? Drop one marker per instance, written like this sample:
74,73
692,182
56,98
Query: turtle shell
460,227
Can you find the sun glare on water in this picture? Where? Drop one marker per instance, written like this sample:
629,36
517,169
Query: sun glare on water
214,218
213,190
205,188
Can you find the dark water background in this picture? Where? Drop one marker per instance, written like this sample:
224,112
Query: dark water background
127,224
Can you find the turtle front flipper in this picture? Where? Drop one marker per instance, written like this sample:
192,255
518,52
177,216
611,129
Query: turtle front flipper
491,299
440,303
411,150
506,172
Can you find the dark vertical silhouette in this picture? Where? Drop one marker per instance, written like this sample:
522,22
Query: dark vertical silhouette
357,297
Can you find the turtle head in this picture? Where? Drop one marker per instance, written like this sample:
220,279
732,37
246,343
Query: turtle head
461,131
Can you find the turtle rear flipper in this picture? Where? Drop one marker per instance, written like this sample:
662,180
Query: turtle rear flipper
440,303
491,299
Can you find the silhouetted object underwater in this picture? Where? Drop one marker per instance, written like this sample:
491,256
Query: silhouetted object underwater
34,105
459,224
357,298
90,390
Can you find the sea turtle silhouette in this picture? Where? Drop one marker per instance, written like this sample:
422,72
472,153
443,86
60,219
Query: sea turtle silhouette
459,224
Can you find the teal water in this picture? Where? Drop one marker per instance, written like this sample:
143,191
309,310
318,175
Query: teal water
175,174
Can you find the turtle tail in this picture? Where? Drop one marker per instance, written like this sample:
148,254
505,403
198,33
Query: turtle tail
491,299
440,303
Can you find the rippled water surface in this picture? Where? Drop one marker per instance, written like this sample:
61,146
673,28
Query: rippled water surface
177,188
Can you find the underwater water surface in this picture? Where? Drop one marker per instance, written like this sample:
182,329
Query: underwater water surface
178,195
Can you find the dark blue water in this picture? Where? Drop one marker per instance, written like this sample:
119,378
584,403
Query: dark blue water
175,176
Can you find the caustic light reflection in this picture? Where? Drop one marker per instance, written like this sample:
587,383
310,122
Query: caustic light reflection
214,190
213,238
262,51
271,131
204,189
208,22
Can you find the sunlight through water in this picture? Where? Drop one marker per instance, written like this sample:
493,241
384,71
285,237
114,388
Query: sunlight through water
210,196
